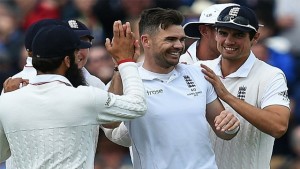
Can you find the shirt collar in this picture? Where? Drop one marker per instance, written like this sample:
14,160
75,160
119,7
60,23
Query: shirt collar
48,78
243,71
148,75
28,62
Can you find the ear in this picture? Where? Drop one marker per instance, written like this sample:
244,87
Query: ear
255,38
67,61
203,30
145,40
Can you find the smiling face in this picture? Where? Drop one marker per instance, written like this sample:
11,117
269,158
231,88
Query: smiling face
163,48
234,44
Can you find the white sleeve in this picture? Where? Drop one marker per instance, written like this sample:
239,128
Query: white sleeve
4,146
118,135
276,92
128,106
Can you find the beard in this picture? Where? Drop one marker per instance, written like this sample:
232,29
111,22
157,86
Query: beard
75,76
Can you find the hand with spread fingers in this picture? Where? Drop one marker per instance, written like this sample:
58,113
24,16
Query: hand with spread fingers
12,84
227,122
220,89
122,46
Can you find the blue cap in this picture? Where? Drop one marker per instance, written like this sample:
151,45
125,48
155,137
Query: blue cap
34,28
79,28
56,41
239,18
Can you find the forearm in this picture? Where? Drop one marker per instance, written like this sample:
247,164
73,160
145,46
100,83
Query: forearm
118,135
272,120
130,105
116,84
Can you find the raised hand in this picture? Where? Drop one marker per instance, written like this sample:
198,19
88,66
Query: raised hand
122,46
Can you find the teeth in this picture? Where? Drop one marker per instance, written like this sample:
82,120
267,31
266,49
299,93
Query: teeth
175,53
232,49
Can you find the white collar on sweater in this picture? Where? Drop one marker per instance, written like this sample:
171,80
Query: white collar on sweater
48,78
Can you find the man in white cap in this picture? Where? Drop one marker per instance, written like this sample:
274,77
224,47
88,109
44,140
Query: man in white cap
205,48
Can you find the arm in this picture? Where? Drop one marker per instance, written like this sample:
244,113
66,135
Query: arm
132,104
224,124
272,119
118,135
116,82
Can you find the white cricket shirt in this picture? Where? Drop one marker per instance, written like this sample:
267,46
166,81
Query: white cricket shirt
51,125
260,85
174,133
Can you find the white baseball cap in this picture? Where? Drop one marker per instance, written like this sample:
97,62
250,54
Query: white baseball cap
208,16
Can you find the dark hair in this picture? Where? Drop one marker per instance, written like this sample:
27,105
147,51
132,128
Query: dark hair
252,34
50,64
154,18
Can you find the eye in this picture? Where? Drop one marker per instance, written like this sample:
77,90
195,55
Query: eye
171,39
182,39
240,35
222,33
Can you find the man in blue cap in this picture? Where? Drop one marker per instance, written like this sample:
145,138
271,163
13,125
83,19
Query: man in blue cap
81,59
255,91
56,123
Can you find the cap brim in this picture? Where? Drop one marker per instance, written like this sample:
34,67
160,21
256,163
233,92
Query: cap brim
234,26
191,30
84,45
81,33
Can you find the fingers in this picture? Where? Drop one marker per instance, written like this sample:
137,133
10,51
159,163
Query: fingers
121,30
108,44
128,30
226,121
116,28
207,71
13,84
25,82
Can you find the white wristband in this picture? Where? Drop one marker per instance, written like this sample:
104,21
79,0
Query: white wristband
233,131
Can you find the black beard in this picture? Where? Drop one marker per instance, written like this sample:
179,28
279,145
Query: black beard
75,76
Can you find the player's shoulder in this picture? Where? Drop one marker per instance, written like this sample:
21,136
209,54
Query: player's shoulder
267,68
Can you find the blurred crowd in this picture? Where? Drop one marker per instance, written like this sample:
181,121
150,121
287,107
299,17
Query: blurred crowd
277,46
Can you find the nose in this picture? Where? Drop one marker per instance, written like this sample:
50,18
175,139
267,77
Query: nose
178,44
229,40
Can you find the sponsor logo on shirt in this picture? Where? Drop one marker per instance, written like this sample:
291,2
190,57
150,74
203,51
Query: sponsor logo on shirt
107,103
242,92
284,94
154,92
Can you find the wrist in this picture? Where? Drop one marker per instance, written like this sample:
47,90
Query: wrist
125,60
234,131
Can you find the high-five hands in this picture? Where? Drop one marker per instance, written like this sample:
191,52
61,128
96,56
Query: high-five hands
123,45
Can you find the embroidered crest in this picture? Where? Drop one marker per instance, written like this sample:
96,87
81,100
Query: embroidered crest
242,92
73,24
189,81
234,12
